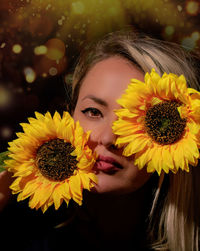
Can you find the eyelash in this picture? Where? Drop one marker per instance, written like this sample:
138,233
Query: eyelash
92,110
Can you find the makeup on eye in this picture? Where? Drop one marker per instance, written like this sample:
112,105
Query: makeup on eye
92,112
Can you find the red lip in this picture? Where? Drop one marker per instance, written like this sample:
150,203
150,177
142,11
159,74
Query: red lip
107,164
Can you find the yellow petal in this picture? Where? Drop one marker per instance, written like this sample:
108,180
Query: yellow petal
59,194
138,144
76,188
142,158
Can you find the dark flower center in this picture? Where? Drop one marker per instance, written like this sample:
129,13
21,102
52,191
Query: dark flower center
54,160
164,124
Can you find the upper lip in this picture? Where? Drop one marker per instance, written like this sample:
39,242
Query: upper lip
109,160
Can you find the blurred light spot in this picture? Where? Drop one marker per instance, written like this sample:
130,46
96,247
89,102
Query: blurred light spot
48,6
68,79
17,48
44,75
40,50
169,30
5,97
61,20
6,132
43,65
180,8
53,71
192,7
2,45
195,35
30,75
55,49
78,7
188,43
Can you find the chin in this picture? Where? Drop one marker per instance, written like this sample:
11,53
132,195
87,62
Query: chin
120,182
109,184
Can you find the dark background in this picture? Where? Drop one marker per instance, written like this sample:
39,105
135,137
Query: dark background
40,41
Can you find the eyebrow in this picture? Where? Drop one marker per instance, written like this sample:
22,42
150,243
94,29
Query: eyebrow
95,99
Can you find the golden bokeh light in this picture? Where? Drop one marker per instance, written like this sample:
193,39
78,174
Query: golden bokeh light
2,45
179,8
54,32
6,132
17,48
192,7
53,71
55,49
188,43
40,50
169,30
5,97
45,66
29,74
78,7
41,40
196,35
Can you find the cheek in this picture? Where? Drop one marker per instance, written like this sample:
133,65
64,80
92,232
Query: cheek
88,126
138,177
85,124
79,116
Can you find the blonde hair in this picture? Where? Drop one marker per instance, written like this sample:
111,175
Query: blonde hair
174,221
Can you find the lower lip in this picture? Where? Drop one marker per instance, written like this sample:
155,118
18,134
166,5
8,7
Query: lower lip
106,166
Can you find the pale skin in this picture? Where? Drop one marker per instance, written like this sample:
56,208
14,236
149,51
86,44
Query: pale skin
102,86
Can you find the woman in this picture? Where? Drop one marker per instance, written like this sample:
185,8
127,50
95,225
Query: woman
100,78
128,208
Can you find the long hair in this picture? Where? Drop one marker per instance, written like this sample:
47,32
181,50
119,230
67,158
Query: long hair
174,216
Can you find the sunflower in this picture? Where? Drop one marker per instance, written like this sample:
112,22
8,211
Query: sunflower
159,123
51,161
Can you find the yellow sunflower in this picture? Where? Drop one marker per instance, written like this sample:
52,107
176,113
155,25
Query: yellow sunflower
51,161
159,123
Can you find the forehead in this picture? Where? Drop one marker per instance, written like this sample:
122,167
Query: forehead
109,78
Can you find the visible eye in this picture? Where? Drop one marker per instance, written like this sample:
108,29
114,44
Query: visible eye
92,112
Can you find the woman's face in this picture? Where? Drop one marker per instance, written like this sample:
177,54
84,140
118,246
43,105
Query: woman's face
101,87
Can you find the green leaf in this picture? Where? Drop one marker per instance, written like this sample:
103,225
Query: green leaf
3,156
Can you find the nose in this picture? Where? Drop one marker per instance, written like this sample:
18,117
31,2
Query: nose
106,137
